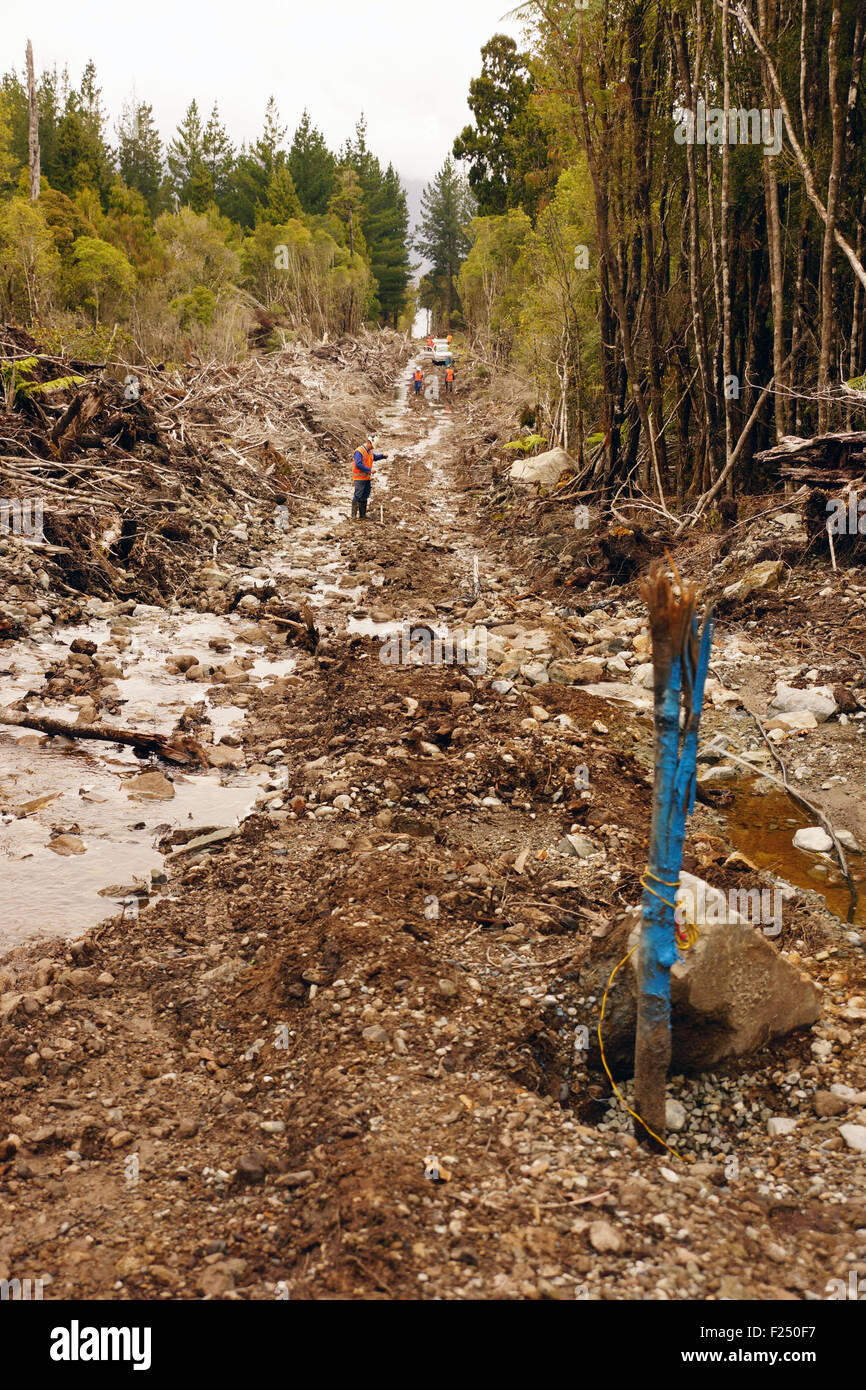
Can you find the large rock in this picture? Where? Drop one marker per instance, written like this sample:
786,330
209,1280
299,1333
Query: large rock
567,672
543,468
766,575
730,994
817,699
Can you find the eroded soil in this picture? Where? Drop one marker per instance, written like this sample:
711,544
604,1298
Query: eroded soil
334,1054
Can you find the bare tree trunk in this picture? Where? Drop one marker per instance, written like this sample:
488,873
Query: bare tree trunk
830,224
767,21
34,126
699,324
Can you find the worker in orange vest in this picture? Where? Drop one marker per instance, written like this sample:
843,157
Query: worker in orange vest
449,380
362,475
449,339
417,380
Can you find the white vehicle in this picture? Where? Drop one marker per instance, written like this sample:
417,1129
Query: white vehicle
441,352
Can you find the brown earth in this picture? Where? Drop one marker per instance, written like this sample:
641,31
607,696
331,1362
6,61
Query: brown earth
336,1058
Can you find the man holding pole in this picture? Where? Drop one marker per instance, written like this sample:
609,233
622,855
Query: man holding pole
362,476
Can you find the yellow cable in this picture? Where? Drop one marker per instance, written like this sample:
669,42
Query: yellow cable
617,1092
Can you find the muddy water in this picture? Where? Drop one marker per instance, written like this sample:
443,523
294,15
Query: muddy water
762,824
89,796
50,786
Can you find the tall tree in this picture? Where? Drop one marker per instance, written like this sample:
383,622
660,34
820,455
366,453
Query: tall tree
507,148
447,208
218,155
312,167
139,153
189,177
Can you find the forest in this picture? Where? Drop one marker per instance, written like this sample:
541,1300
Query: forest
670,231
127,244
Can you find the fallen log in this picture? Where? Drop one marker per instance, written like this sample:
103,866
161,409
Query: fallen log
826,459
174,749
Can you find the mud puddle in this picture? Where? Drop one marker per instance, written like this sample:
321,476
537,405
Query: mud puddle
761,823
87,793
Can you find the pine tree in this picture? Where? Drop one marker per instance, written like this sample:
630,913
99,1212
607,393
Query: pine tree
447,208
189,178
270,142
139,153
384,221
246,197
312,167
82,157
218,155
386,229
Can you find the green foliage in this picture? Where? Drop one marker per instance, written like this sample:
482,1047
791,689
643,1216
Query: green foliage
139,154
491,291
101,237
384,218
447,208
527,445
200,249
101,273
313,167
30,261
282,201
196,306
307,275
189,178
507,148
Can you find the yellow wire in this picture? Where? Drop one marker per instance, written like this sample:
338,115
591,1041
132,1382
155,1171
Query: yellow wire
692,938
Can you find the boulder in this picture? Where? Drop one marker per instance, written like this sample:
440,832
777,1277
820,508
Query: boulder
814,839
543,468
731,993
618,690
766,575
566,672
817,699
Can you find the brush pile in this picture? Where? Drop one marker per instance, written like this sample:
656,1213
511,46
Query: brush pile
124,480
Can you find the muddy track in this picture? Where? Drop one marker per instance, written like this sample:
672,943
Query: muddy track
337,1057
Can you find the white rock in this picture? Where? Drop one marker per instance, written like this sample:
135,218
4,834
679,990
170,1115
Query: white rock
814,839
855,1137
780,1124
675,1115
544,468
816,698
795,719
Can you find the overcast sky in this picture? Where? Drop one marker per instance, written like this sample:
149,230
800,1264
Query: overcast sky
407,65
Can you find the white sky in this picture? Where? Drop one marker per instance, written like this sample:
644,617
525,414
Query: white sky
407,65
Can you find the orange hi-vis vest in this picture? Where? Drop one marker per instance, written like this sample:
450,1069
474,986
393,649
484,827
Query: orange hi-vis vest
419,375
449,375
357,475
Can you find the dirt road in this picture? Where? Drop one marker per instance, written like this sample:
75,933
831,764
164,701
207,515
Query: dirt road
343,1054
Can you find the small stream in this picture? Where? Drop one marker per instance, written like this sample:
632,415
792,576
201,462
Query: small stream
83,798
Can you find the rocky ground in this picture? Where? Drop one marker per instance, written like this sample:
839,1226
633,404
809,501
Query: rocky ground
344,1048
